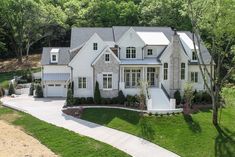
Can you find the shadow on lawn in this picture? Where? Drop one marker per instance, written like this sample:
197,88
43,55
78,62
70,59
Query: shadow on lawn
193,125
147,130
224,143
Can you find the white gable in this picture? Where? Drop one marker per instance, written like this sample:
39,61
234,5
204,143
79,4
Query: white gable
186,40
153,38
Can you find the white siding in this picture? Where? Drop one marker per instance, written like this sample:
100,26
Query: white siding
81,64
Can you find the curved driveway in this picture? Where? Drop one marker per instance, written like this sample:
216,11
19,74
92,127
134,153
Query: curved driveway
49,110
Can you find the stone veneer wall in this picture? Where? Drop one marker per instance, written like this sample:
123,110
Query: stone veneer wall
100,67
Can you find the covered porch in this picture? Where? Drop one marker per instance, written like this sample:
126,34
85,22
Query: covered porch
132,74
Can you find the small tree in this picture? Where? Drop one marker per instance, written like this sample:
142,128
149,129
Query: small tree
70,101
39,91
11,89
31,89
97,96
121,97
188,94
144,93
177,97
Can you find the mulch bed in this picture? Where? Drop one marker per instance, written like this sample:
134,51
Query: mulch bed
196,108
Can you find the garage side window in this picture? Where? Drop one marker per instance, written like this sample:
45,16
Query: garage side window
82,82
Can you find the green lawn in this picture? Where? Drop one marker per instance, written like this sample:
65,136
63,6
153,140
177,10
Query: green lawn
61,141
188,136
6,76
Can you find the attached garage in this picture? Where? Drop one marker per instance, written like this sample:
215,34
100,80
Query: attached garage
55,85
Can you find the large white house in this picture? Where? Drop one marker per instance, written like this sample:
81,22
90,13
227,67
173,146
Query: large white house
118,57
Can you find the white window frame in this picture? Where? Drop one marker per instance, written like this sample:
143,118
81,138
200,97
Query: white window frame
95,46
165,71
182,71
108,75
134,77
56,58
149,51
130,52
82,83
107,61
193,75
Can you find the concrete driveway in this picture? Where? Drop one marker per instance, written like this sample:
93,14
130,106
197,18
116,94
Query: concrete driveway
49,110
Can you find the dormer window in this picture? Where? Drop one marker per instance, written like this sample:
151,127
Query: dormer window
194,56
53,58
107,58
95,46
150,52
54,55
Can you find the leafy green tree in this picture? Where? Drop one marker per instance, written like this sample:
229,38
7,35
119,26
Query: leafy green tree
164,13
217,18
188,94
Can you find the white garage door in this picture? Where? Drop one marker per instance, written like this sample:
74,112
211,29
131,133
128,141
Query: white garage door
55,90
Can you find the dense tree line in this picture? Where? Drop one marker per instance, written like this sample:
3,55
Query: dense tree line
28,25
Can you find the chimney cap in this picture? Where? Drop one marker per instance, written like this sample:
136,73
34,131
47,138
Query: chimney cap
175,31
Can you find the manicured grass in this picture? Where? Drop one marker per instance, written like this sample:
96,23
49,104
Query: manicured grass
188,136
61,141
6,76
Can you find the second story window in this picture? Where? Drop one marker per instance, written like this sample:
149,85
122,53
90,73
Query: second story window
150,52
194,55
95,46
107,57
182,71
130,52
165,71
54,58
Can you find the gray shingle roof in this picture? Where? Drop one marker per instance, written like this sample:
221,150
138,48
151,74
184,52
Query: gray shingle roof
82,34
63,58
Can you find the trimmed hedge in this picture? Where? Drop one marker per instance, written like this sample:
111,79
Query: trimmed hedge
177,97
11,89
38,91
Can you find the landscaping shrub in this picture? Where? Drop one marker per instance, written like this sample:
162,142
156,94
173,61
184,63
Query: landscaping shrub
197,97
70,100
31,89
90,100
97,96
121,98
26,76
11,89
38,91
206,98
115,100
2,92
82,100
22,81
131,100
177,97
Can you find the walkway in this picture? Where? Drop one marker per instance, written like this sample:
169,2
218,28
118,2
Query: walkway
49,110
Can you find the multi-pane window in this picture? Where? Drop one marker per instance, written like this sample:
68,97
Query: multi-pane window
95,46
182,71
53,58
151,76
132,77
82,82
107,81
130,52
106,58
165,71
194,55
150,52
194,77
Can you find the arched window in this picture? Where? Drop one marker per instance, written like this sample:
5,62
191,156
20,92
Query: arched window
182,71
165,71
